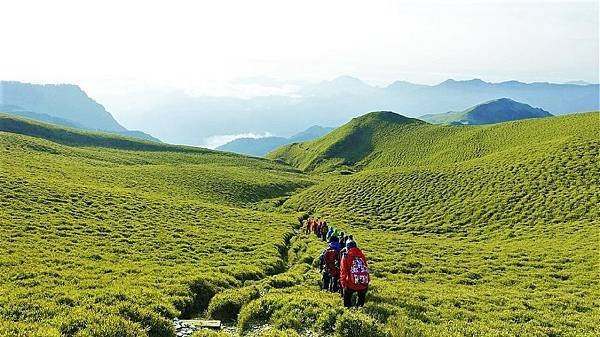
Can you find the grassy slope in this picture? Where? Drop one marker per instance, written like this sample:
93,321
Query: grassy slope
346,145
487,231
99,240
470,230
373,141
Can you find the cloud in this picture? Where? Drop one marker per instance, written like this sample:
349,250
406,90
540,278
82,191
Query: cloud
213,142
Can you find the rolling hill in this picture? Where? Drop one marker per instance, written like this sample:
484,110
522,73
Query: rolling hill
495,111
385,139
75,136
106,235
472,230
259,147
63,104
457,217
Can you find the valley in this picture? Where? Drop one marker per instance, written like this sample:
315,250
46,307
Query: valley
484,230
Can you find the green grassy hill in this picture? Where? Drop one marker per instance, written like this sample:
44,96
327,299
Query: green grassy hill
95,240
469,231
385,139
494,111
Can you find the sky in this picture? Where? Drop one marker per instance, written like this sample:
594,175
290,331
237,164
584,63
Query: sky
112,48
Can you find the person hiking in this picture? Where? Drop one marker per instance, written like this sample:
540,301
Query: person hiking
324,230
336,232
330,233
349,239
308,225
318,227
343,240
354,275
329,264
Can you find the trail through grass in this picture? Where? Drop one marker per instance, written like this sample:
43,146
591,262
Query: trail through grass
476,231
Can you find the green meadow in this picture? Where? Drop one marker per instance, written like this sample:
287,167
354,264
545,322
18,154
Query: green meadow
469,231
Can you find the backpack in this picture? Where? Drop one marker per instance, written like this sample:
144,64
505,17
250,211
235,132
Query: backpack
359,273
331,262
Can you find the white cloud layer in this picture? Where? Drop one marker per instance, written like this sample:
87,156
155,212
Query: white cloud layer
213,142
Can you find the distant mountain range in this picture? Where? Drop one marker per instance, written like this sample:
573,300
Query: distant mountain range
259,147
192,119
494,111
62,104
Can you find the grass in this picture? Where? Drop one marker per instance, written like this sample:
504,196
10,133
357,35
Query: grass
100,242
373,141
469,230
478,230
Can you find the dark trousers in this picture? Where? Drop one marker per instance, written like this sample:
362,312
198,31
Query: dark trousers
348,297
330,283
326,280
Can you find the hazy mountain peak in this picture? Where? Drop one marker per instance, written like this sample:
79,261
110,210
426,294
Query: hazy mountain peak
345,79
490,112
341,85
404,85
61,104
472,82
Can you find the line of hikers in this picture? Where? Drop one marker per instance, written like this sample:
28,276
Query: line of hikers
342,264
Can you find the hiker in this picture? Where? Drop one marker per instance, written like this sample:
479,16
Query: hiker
354,274
308,225
329,264
324,230
344,247
336,232
318,227
343,240
329,233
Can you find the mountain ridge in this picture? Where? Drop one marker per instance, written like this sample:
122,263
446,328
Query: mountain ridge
195,118
261,146
68,104
490,112
368,142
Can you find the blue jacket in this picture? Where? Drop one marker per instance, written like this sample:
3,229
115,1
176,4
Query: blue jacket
335,245
329,233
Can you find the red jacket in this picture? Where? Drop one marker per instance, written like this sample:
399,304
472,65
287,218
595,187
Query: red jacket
346,270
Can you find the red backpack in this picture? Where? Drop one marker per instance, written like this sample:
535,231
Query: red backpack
331,262
358,275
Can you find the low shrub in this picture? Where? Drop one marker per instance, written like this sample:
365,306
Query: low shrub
226,305
252,313
357,324
327,319
112,326
156,325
